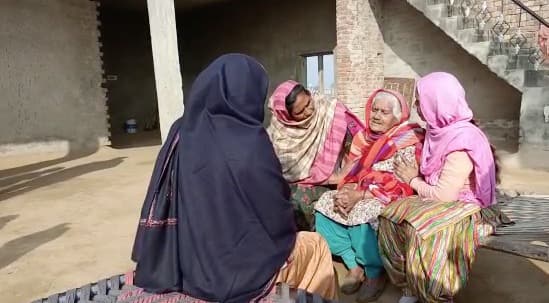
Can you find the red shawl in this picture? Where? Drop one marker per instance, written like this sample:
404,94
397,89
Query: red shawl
369,148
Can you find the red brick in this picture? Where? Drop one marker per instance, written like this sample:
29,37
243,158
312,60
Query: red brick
359,68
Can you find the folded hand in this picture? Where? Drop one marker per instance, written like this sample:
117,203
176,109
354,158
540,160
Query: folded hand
346,198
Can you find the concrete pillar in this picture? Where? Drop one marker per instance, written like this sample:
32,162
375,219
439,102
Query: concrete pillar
169,88
359,51
534,130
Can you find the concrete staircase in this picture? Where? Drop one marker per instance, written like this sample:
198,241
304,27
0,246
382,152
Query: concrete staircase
510,53
520,69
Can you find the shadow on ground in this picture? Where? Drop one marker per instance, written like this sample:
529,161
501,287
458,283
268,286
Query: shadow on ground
12,250
7,219
57,175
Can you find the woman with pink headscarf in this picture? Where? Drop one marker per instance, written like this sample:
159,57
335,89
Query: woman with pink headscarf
309,134
428,243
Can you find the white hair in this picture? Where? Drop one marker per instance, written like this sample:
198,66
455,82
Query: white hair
397,110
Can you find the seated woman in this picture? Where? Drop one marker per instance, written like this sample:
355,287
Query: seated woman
428,243
309,134
217,223
347,218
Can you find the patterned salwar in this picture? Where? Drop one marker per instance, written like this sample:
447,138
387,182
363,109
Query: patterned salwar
428,247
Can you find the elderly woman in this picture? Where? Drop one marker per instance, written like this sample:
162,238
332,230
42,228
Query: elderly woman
309,135
428,243
347,218
212,226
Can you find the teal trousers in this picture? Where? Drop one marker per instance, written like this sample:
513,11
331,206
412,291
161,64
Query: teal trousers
356,245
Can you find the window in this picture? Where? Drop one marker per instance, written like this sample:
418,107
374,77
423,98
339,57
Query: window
319,73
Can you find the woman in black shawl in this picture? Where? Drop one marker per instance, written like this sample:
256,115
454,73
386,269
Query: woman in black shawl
217,223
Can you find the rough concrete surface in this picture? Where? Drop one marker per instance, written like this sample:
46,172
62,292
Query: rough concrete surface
69,220
277,40
533,128
51,73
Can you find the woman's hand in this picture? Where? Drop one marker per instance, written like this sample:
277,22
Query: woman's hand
406,169
347,197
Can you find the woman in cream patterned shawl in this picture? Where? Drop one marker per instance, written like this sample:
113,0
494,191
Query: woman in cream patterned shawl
308,133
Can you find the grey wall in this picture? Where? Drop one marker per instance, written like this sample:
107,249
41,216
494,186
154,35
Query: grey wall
534,129
128,55
275,32
414,47
51,74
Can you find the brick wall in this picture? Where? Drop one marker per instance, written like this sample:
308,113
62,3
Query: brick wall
359,51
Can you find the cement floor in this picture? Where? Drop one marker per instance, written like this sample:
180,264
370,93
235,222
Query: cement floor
67,220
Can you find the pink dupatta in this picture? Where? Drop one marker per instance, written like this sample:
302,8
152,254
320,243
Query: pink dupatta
449,128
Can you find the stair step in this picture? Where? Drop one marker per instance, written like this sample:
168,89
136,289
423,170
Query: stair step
498,64
450,25
507,48
481,50
523,61
436,12
466,35
467,22
418,4
536,78
470,35
497,48
432,2
516,77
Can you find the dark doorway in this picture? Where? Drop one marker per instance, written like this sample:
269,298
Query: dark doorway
129,74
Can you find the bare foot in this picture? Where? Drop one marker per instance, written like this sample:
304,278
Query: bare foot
357,273
371,290
353,280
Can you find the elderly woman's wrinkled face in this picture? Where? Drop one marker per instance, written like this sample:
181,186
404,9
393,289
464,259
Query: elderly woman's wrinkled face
382,117
303,107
